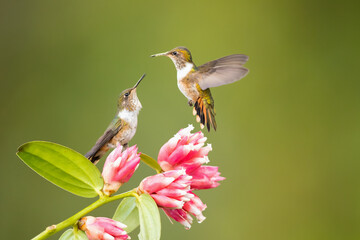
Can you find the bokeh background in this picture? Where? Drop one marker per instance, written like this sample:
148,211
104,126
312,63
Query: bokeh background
288,134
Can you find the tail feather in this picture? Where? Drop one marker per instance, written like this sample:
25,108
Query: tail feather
92,157
95,154
205,113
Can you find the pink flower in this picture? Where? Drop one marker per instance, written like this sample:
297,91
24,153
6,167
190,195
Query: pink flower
119,167
186,150
170,189
194,207
101,228
180,215
205,177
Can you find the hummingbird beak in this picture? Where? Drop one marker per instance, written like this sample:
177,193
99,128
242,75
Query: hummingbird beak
139,81
159,54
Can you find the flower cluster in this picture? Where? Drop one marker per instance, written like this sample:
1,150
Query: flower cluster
182,161
186,153
186,150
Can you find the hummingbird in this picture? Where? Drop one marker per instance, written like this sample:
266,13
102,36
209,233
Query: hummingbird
195,82
122,128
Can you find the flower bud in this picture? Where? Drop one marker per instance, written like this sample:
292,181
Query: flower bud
186,150
170,189
194,207
205,177
102,228
119,167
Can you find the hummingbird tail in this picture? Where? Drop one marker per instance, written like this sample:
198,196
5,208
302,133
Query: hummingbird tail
94,155
205,113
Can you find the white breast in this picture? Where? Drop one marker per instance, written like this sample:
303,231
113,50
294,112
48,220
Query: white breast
182,90
129,117
181,73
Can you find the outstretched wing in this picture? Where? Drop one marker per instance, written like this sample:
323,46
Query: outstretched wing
223,71
94,154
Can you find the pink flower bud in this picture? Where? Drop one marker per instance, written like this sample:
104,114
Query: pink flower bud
205,177
180,215
119,167
194,207
101,228
170,189
186,150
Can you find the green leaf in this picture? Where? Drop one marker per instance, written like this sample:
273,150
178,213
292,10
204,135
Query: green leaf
128,214
150,225
62,166
71,234
151,162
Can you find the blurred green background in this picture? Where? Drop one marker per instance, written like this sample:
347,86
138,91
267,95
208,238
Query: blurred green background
288,134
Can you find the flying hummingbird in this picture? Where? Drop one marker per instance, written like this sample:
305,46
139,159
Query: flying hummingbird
195,82
122,128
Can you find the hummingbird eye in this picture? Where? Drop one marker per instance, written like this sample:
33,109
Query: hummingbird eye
127,94
174,53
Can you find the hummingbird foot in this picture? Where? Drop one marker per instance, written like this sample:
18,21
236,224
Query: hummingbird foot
125,146
191,103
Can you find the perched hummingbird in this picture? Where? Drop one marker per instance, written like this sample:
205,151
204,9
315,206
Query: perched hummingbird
122,128
195,82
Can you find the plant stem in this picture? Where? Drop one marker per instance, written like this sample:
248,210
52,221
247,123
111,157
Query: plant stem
73,219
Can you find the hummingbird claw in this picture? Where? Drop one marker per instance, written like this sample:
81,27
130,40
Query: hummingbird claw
190,102
125,146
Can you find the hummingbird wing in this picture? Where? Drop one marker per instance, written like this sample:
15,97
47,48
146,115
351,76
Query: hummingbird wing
222,71
97,151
